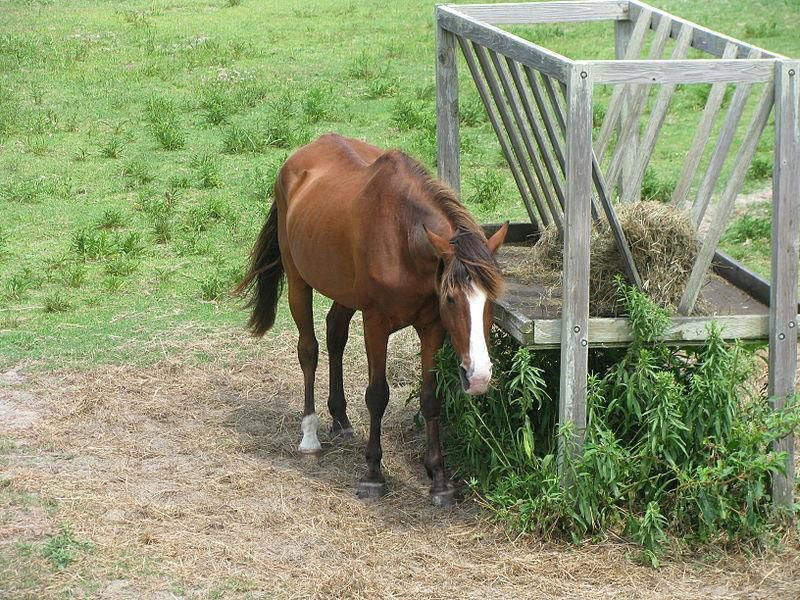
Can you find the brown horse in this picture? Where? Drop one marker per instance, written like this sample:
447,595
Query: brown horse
372,231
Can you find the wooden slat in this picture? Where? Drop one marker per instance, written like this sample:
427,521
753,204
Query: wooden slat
616,103
514,135
720,153
550,162
547,333
447,126
785,226
726,202
503,42
546,12
575,290
550,212
554,132
702,134
703,39
622,36
657,116
491,111
699,70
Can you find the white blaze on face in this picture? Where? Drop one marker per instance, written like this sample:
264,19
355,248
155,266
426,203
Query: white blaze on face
480,368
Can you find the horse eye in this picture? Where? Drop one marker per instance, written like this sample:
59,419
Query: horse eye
450,299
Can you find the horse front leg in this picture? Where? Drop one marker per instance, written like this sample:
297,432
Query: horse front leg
376,336
442,490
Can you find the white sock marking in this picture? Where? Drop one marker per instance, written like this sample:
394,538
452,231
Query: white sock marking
478,353
309,426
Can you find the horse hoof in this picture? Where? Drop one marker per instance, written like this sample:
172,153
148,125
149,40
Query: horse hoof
342,434
370,489
444,499
310,454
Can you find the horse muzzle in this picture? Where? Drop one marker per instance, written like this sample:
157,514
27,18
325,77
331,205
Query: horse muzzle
474,383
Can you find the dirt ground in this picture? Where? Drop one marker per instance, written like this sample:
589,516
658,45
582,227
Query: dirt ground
185,479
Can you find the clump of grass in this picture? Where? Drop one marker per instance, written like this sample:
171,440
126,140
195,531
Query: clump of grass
471,112
162,114
178,181
748,229
760,169
121,266
487,189
598,115
410,114
56,303
91,244
239,139
201,217
232,3
17,286
207,172
216,103
112,147
261,180
113,283
279,131
218,284
80,154
38,145
364,66
161,227
761,30
137,173
75,275
656,188
5,236
317,103
382,87
111,219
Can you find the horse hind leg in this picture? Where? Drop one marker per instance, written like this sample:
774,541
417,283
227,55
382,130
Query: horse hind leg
338,325
300,304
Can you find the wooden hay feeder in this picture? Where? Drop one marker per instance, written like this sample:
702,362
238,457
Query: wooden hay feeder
540,105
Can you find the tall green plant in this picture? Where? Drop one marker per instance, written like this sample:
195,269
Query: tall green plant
677,440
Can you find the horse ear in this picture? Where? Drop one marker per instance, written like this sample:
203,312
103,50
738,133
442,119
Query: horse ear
440,245
498,238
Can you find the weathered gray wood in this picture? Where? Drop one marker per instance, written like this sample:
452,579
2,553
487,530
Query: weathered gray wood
740,276
702,134
785,226
447,126
491,112
703,39
624,97
608,331
548,211
554,133
633,40
514,135
701,70
550,162
657,116
575,290
546,12
503,42
720,153
726,202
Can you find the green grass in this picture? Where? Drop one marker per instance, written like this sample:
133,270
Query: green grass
139,143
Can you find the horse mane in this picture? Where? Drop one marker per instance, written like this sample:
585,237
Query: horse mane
472,261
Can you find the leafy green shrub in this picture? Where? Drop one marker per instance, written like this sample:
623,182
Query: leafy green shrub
760,169
61,548
677,443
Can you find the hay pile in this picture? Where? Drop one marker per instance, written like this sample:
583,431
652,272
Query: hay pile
663,243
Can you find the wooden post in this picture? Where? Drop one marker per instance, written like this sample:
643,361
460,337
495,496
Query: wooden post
783,291
577,224
622,35
447,143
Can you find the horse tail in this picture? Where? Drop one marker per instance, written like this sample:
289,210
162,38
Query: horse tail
264,281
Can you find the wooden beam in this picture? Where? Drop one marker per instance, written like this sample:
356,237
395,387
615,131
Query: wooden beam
783,319
701,136
491,111
447,126
503,42
720,153
575,290
514,135
524,13
657,115
702,70
607,331
703,39
726,203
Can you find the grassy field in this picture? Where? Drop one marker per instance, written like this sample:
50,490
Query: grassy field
147,441
139,140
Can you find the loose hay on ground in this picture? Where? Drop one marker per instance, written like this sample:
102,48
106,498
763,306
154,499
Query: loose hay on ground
186,480
663,243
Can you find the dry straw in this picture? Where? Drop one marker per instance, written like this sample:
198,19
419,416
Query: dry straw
663,243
